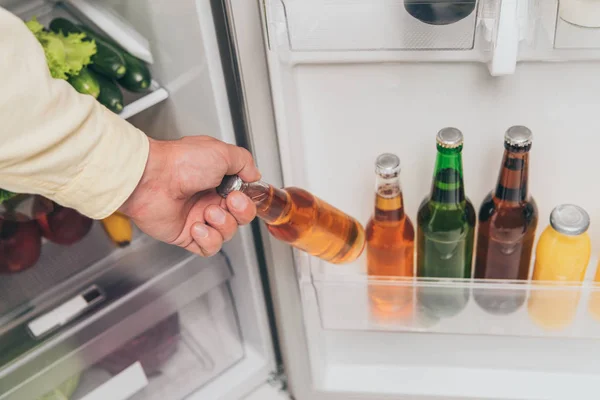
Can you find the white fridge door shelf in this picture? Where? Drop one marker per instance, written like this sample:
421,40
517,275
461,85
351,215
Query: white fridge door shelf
497,32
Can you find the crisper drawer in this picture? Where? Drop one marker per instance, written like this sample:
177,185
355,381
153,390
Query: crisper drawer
151,298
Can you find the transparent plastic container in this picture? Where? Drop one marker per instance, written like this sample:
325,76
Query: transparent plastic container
205,343
459,306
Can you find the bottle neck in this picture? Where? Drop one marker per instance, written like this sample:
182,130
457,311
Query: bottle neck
448,187
389,202
273,205
513,179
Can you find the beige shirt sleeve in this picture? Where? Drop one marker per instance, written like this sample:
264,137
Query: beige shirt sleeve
57,142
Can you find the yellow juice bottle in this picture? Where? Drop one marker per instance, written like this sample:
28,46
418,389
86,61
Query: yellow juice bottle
562,255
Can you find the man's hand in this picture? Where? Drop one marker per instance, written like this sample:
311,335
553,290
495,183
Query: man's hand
175,201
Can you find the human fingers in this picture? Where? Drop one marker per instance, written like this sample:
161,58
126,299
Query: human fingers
221,220
240,162
240,207
208,239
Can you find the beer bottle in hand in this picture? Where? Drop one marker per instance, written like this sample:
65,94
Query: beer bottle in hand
306,222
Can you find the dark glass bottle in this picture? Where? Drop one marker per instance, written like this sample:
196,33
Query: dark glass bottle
445,232
439,12
507,222
390,244
302,220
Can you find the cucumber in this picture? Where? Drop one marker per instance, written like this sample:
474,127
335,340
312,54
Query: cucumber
64,26
108,60
85,83
110,94
137,78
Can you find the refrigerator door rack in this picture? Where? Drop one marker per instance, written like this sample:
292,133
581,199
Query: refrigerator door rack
499,33
354,301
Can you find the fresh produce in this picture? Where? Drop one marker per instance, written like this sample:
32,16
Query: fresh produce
108,60
64,391
110,94
137,78
5,195
20,242
86,83
66,54
63,225
118,227
152,348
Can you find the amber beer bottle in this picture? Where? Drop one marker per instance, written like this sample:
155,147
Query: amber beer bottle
390,243
507,222
306,222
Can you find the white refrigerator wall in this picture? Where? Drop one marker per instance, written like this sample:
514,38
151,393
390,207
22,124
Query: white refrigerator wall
348,114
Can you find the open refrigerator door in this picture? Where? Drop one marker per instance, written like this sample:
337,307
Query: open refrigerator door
92,320
350,80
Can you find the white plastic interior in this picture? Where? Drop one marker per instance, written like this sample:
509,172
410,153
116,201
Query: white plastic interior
336,113
186,61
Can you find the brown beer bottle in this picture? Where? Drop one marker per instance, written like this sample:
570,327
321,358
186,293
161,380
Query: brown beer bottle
302,220
390,242
507,222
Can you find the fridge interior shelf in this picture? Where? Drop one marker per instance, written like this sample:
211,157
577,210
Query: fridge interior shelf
370,25
57,272
354,301
136,289
45,11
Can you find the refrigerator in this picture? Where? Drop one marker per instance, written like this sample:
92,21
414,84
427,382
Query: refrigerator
316,90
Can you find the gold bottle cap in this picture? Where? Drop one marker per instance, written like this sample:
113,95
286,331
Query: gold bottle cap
449,138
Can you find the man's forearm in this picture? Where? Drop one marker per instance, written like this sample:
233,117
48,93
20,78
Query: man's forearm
57,142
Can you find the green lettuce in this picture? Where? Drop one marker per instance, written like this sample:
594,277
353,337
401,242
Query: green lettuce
5,195
66,55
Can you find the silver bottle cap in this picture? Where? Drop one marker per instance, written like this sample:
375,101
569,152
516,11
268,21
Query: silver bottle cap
450,138
387,165
518,136
569,219
230,183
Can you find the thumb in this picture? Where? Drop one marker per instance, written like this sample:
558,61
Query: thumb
240,162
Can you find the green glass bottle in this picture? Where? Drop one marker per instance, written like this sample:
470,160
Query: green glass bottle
445,229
